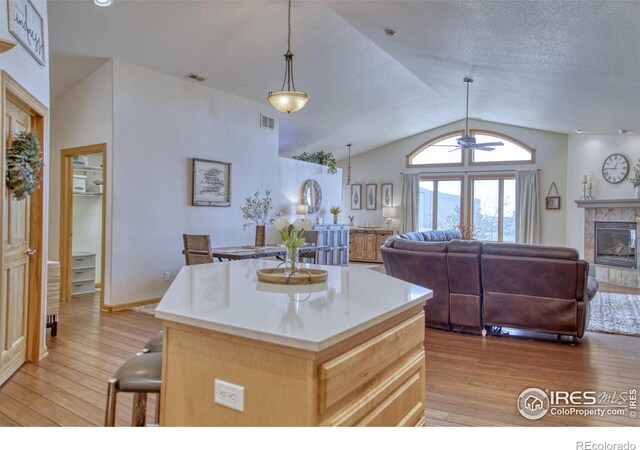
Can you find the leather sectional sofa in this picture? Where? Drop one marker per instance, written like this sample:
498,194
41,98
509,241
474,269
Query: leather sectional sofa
481,285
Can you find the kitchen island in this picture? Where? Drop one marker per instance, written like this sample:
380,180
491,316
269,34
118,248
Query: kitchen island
239,352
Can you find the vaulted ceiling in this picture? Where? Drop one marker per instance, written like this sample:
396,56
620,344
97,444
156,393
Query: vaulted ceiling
551,65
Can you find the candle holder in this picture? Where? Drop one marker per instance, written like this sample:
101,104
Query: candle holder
584,192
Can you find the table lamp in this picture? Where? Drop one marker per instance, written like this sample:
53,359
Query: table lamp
388,212
302,210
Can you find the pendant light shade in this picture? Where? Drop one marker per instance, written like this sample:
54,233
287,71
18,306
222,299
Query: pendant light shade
288,100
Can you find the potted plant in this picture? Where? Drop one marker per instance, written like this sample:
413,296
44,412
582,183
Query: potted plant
292,238
635,179
319,157
335,210
257,211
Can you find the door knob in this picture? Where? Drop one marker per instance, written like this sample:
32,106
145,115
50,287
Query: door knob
29,251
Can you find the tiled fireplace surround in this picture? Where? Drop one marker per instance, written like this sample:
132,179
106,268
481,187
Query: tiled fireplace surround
609,211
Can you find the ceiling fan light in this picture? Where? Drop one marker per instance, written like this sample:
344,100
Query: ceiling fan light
288,101
103,3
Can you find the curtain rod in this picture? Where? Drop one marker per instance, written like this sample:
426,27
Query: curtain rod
466,172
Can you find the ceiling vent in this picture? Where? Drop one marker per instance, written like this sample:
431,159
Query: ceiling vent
267,122
193,76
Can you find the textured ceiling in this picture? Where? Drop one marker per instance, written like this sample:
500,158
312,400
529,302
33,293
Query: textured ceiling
551,65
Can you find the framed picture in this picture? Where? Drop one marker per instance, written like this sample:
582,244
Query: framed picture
372,196
386,196
553,202
27,26
211,183
356,196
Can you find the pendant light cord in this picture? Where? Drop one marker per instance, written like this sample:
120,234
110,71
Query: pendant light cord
289,35
288,58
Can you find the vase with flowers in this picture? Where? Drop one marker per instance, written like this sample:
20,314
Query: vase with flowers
635,179
292,238
257,210
335,210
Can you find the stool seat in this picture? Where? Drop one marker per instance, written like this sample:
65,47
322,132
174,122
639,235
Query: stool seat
154,344
140,374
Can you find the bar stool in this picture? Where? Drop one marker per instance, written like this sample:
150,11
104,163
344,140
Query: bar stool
140,375
154,344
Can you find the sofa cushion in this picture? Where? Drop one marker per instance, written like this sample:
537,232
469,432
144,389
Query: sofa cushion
418,246
529,251
434,235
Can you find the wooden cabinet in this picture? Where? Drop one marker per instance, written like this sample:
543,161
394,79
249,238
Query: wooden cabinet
365,243
83,273
376,378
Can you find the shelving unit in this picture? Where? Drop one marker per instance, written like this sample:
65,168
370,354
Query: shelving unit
83,273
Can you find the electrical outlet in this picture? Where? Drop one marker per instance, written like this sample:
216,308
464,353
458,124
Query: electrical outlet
229,395
167,276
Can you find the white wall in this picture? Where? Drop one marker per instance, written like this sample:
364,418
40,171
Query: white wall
160,123
385,165
83,116
586,154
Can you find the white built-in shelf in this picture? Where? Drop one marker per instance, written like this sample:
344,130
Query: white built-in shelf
88,194
609,203
87,168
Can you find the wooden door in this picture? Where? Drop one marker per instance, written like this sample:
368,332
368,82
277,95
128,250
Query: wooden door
14,295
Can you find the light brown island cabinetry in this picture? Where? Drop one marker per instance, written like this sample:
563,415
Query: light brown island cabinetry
368,370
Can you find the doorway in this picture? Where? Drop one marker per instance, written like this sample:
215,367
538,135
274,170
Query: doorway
82,222
22,231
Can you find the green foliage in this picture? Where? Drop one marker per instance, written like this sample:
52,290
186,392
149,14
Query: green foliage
24,164
257,209
320,157
335,210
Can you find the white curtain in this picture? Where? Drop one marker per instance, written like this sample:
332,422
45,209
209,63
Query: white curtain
527,207
410,201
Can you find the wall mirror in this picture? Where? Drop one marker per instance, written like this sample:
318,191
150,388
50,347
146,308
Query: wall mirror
312,195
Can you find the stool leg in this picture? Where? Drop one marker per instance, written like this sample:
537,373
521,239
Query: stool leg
157,419
112,391
139,409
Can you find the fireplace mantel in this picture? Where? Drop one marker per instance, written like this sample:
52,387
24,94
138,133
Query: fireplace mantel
609,203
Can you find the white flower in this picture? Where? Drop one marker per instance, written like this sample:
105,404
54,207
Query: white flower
307,225
281,223
297,225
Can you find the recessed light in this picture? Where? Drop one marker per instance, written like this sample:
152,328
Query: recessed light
623,131
103,3
579,131
389,32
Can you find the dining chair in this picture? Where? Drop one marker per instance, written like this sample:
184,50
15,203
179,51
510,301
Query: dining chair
310,237
197,249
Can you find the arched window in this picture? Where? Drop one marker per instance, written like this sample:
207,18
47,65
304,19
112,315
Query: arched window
445,151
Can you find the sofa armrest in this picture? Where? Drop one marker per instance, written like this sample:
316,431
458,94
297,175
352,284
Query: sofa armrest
592,289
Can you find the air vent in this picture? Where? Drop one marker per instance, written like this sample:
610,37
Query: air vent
193,76
267,122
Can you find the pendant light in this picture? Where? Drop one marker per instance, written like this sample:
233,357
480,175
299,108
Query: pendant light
349,167
290,100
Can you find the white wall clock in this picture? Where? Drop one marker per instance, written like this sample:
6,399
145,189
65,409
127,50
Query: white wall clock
615,168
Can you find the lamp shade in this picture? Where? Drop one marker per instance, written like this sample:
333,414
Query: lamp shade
388,211
288,101
302,209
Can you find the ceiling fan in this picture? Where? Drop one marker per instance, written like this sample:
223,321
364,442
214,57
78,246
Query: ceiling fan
466,141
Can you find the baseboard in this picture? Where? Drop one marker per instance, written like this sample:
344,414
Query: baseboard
123,306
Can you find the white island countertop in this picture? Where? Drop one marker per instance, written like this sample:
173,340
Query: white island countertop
227,297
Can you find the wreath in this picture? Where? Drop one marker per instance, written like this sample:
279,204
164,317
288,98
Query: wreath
24,164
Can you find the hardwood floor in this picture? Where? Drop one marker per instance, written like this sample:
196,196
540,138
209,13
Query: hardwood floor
470,380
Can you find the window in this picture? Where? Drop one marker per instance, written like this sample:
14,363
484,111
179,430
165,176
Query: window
441,151
440,204
493,208
444,151
489,200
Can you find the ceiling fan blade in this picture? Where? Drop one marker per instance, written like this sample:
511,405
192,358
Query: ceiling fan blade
486,149
444,145
454,149
488,144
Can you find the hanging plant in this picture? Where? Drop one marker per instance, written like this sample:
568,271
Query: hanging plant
24,164
320,157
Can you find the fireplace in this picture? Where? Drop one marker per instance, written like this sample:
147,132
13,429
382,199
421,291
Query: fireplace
615,244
